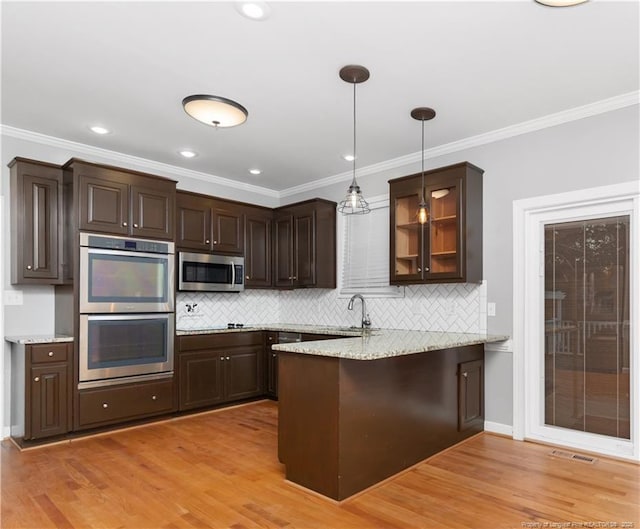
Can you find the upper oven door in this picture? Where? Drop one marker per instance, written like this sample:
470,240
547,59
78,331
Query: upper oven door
122,281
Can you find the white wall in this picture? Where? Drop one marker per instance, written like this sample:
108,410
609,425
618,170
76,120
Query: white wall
588,152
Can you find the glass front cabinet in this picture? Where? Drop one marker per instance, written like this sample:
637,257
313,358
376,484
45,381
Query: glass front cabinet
448,247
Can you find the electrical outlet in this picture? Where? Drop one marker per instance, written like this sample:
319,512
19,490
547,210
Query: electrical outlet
191,309
452,308
491,309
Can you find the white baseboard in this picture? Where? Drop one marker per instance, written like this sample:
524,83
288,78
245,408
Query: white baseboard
499,428
6,432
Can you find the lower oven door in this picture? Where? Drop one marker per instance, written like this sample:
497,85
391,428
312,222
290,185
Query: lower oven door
116,346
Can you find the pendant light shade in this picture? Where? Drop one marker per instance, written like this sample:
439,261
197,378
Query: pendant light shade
215,111
354,203
423,114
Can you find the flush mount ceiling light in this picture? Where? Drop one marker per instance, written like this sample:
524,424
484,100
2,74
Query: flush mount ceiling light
254,10
560,3
255,171
423,114
349,157
187,153
97,129
354,203
215,111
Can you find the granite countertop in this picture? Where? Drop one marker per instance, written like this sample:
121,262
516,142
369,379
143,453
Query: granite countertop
278,327
39,338
358,345
386,343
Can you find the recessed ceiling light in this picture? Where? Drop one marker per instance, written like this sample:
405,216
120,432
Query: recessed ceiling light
187,153
99,130
255,171
254,10
349,157
560,3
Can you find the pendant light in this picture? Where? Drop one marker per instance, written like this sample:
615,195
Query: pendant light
354,203
423,114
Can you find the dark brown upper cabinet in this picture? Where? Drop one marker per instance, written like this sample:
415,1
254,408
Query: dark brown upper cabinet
305,245
36,221
208,224
257,247
448,248
122,202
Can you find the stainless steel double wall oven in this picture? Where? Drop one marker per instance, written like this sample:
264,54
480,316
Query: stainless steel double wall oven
127,305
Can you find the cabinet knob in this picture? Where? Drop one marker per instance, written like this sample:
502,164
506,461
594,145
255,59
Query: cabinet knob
215,242
105,405
37,379
153,397
50,354
135,225
246,277
271,338
419,270
124,224
228,358
295,277
290,278
465,374
426,268
222,358
274,354
29,267
207,241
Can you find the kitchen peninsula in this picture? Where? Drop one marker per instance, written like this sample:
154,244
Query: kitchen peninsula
355,411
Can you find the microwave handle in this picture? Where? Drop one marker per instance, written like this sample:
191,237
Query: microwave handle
233,273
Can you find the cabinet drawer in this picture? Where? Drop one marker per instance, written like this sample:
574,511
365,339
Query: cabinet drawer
198,342
114,404
49,352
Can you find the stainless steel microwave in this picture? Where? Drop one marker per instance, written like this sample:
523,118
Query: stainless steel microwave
210,272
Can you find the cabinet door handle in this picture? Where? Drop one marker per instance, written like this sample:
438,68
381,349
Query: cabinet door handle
37,379
105,405
207,241
153,397
135,225
29,267
50,353
124,224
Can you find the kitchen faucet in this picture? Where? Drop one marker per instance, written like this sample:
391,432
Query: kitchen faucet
366,322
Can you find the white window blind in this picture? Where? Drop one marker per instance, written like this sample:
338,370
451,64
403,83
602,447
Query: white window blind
365,262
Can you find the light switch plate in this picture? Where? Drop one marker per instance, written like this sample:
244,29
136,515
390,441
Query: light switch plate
13,297
491,309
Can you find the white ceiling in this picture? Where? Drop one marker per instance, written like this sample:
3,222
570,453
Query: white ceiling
481,65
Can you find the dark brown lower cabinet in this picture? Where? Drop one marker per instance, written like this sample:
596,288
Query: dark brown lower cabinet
470,395
345,425
219,368
115,404
49,401
41,390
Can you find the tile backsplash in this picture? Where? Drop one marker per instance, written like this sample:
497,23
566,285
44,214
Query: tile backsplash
459,307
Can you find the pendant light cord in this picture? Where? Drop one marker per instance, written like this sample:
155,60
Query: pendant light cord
423,198
354,183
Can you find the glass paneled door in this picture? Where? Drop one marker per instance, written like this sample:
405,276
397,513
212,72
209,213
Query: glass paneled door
587,326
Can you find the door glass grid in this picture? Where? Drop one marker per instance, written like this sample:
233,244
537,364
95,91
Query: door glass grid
587,329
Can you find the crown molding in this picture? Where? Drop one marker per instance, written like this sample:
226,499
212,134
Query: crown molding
566,116
127,159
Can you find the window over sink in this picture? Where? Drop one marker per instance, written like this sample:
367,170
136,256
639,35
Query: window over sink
364,253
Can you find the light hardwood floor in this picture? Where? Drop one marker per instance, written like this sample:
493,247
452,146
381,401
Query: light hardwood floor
220,470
